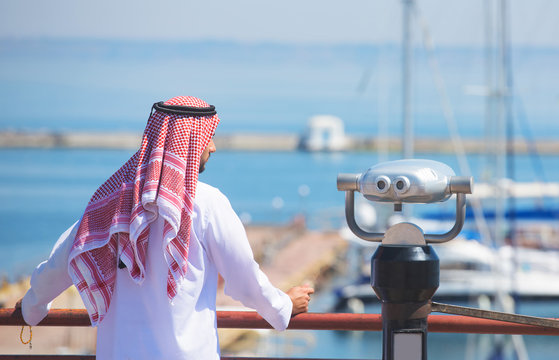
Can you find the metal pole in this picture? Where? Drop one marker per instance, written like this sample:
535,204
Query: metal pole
404,278
490,146
501,130
407,121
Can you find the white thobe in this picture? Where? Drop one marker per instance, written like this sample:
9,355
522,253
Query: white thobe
141,322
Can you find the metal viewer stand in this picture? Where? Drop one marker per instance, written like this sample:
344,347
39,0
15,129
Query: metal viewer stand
405,269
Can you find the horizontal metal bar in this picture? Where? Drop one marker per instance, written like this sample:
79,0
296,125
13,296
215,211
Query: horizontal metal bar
225,320
55,317
470,325
494,315
309,321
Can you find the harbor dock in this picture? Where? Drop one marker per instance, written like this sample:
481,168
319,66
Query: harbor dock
262,142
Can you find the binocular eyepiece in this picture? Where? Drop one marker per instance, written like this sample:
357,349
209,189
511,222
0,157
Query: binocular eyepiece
409,181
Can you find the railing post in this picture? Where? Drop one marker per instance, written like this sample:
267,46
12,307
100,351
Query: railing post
405,277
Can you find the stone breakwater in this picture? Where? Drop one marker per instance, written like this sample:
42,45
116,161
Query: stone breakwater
261,142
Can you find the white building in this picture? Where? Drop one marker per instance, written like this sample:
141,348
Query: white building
324,133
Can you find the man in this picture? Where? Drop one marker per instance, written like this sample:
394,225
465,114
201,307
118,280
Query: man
146,253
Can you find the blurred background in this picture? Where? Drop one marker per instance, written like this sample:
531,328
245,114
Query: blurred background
305,90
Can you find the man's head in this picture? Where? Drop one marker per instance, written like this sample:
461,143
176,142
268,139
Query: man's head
190,116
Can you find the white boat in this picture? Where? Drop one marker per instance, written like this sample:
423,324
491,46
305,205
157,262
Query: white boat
469,269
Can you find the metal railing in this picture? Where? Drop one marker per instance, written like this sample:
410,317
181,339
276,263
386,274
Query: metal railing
308,321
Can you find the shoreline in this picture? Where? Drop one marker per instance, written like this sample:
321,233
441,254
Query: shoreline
260,142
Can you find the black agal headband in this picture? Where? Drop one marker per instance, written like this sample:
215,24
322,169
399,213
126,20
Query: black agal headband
184,110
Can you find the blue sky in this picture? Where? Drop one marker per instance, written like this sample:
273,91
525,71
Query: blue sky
451,22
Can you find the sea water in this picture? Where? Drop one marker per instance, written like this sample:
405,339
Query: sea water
44,191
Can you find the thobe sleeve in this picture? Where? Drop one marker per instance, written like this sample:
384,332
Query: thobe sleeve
229,249
49,279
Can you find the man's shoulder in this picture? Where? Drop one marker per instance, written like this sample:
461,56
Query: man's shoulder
206,193
210,201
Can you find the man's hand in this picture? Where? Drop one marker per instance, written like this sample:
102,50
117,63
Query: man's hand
17,306
300,297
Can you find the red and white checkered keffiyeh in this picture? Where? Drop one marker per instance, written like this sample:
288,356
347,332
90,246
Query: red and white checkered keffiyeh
158,180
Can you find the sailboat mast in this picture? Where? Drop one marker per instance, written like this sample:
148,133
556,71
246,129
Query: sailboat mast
407,120
502,117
